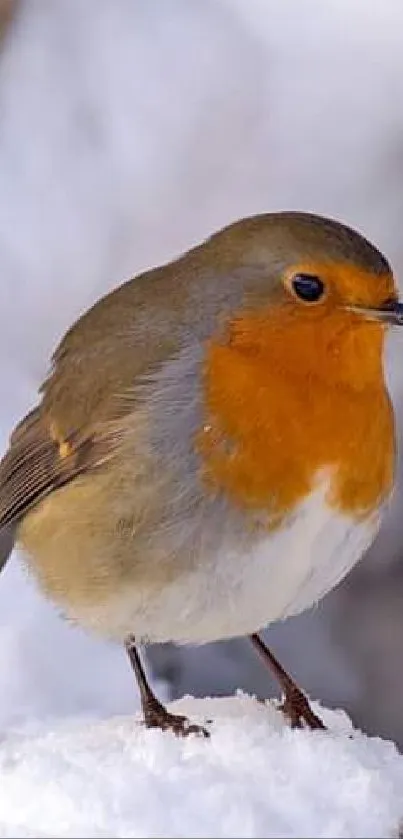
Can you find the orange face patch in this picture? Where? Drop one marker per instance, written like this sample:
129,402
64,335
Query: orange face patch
292,390
346,283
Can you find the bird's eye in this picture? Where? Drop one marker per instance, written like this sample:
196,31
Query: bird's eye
308,287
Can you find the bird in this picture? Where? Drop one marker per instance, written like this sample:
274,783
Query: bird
214,445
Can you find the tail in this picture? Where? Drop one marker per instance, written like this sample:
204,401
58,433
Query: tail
7,538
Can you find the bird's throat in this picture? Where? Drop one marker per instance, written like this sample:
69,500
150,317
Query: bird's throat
280,408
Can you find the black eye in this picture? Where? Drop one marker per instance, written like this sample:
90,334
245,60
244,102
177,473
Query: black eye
308,287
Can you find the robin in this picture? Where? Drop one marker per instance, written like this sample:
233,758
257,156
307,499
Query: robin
214,445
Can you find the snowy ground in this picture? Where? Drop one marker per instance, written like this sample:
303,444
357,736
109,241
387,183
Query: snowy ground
253,778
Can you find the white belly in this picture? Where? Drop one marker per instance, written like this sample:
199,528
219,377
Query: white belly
237,592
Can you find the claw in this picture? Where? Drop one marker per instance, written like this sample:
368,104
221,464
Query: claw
159,717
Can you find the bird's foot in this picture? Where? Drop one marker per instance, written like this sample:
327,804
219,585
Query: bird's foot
297,709
295,705
157,716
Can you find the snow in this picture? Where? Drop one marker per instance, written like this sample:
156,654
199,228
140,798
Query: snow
255,777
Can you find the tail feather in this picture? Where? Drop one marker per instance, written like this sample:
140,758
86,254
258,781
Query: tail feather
7,537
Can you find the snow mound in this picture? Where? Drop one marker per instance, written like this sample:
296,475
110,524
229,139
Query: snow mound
253,778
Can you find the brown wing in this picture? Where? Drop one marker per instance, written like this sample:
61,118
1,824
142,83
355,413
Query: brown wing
37,463
91,388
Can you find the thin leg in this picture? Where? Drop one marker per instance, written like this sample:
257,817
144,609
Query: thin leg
155,714
295,705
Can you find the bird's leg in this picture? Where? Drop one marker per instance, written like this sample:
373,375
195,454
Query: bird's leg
154,712
295,706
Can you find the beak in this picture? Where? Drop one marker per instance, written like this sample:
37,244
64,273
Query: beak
390,312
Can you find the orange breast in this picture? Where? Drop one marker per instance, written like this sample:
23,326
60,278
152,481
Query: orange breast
287,396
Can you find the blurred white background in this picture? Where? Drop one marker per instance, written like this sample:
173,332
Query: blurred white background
129,130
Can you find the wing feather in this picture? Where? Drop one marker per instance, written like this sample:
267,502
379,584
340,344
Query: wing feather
36,464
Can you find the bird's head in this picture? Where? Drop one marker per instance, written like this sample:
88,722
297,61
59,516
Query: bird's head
317,298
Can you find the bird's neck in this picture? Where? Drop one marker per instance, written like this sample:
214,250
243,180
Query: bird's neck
283,405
